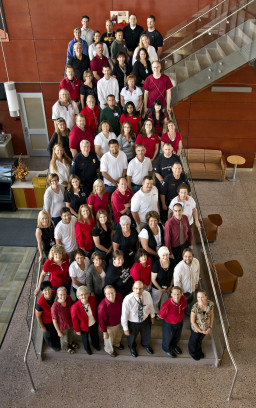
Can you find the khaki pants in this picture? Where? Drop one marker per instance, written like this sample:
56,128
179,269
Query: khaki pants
115,334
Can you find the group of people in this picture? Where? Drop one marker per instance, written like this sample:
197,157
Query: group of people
118,218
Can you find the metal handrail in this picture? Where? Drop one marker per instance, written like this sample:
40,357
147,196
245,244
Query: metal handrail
198,18
31,331
208,30
220,315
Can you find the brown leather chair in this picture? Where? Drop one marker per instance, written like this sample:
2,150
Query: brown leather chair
211,226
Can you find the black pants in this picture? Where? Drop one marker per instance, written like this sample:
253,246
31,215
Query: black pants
189,297
195,344
51,337
144,329
171,335
93,330
177,251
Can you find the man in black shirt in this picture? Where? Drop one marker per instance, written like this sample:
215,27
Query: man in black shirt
132,33
118,274
164,162
80,62
170,184
156,38
109,36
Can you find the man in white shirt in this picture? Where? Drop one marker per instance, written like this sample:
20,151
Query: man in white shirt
65,233
86,32
113,165
137,315
145,200
107,86
186,276
138,168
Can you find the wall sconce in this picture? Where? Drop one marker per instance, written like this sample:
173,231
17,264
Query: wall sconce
12,99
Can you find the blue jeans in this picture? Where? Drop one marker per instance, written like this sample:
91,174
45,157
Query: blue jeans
135,188
110,189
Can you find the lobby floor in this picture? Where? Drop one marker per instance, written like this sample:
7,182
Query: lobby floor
113,384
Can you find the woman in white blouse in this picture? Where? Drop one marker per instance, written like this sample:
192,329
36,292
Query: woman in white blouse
54,198
92,48
78,268
103,137
60,164
145,43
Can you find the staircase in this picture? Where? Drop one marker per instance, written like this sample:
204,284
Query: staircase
216,48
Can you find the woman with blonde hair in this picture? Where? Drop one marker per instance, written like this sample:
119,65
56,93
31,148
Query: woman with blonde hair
60,164
101,140
145,43
99,199
84,228
44,234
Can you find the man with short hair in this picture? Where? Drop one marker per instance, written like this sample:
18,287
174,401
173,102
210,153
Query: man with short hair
112,114
186,275
65,233
80,62
107,86
145,200
109,36
118,46
156,38
71,52
80,131
169,186
65,108
109,314
137,315
138,168
91,113
164,162
118,274
86,32
132,33
157,86
177,233
72,84
113,165
98,62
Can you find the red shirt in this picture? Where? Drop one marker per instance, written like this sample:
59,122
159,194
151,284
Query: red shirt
73,87
110,313
76,135
92,117
118,200
172,312
99,203
134,120
140,273
79,316
157,88
62,314
174,143
84,234
46,315
158,127
59,275
172,232
97,64
150,144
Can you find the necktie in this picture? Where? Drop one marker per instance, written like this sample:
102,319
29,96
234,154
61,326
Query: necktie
181,233
140,311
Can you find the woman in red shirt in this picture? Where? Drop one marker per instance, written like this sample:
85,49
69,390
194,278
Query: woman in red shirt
84,228
99,199
132,116
172,137
148,138
141,270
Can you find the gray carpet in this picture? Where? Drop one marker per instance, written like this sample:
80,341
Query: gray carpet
17,232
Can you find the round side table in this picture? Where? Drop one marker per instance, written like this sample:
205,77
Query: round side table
236,160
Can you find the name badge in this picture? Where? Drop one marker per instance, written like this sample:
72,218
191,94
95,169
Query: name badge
115,114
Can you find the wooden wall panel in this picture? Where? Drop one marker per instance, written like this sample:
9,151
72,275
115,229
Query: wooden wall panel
18,19
228,97
214,129
209,110
182,109
51,56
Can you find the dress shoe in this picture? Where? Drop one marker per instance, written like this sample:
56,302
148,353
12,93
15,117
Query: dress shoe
197,358
120,347
177,350
112,354
201,355
149,350
171,354
133,352
97,348
89,352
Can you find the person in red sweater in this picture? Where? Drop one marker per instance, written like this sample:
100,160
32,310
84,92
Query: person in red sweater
83,227
149,139
141,270
72,84
84,318
91,113
172,311
81,131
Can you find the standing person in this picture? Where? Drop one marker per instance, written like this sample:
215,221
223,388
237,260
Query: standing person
78,268
60,164
121,70
186,276
177,233
118,274
62,321
84,318
87,88
99,199
86,32
75,195
172,137
44,317
172,311
131,93
102,234
201,318
80,62
92,47
60,136
189,205
84,227
54,198
111,113
91,113
145,43
106,86
149,139
109,36
96,276
86,166
118,46
65,108
157,86
152,235
44,234
132,33
142,66
158,118
141,270
137,316
103,137
72,84
77,39
126,140
138,168
65,233
121,200
131,115
163,164
126,239
168,189
113,165
109,314
98,62
156,38
81,131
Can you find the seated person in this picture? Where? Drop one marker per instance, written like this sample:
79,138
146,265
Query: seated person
107,86
81,131
112,114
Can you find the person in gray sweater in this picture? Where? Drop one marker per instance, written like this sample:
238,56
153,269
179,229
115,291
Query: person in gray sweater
96,276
